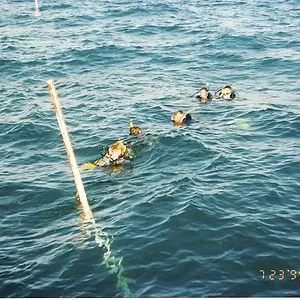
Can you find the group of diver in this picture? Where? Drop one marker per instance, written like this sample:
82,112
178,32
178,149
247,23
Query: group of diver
121,151
204,95
227,93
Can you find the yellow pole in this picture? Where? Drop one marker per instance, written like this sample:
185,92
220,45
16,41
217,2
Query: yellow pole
70,153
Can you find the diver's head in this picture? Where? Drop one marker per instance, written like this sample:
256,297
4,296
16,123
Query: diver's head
116,151
134,130
204,94
227,92
179,117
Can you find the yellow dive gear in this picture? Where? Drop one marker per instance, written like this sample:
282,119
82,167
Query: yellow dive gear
87,166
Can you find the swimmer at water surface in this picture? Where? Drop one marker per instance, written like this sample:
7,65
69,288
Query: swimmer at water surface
179,118
134,130
204,95
119,153
227,93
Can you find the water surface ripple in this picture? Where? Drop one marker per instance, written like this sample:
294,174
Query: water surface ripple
203,208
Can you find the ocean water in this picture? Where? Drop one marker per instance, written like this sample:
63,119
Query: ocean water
206,210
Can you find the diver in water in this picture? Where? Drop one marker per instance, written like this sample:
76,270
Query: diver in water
117,154
227,93
135,130
121,152
204,95
179,118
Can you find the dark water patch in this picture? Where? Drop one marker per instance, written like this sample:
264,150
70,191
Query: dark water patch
115,54
241,42
278,122
126,12
140,10
164,7
27,134
60,275
11,66
60,6
11,289
150,29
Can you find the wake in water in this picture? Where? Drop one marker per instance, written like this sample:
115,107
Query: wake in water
112,263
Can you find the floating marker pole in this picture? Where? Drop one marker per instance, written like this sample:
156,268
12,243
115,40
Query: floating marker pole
101,238
70,153
37,10
36,5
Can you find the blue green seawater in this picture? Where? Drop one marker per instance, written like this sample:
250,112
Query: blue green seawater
203,208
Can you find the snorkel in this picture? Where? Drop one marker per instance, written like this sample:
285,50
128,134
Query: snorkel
234,94
185,115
